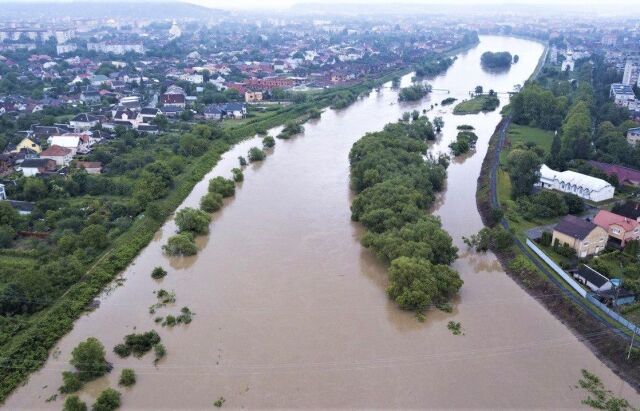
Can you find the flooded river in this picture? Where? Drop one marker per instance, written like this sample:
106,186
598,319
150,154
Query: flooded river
291,311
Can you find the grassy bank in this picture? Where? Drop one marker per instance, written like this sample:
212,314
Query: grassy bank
477,104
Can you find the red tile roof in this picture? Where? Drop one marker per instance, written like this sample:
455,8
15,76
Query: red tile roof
605,219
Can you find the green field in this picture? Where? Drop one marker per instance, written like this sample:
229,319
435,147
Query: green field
476,105
524,134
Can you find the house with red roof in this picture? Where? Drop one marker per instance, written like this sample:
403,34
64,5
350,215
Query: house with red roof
61,155
619,228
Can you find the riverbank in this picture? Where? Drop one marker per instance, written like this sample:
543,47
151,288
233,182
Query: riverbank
604,339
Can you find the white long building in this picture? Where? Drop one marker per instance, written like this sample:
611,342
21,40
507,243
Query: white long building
582,185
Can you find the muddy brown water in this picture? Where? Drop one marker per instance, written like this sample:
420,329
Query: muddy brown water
291,311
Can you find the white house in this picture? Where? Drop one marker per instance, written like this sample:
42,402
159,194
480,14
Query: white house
71,142
633,135
84,121
582,185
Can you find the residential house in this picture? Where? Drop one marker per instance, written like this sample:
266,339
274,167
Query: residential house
27,143
622,94
252,96
213,112
70,141
125,115
147,114
61,155
91,167
173,100
585,237
633,135
609,291
620,228
35,166
89,95
625,175
172,111
582,185
629,209
592,278
235,110
84,121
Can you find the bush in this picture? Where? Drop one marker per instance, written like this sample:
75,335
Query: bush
290,129
70,382
546,238
89,359
74,403
268,142
108,400
158,273
465,141
7,234
414,92
127,377
255,154
138,344
122,350
181,245
160,352
237,175
242,161
222,186
193,221
211,202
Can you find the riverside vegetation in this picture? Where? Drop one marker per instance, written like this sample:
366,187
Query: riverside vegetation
395,186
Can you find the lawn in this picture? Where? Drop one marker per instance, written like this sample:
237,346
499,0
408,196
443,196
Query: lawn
477,104
524,134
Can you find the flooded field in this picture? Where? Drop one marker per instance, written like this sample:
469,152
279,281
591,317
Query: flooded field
291,310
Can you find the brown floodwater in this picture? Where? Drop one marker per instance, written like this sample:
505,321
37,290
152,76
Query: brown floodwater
291,310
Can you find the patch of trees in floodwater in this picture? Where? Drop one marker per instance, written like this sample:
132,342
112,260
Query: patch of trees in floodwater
395,187
500,60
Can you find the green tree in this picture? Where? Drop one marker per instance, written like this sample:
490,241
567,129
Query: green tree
181,245
193,220
95,236
127,377
7,234
222,186
524,170
268,142
255,154
576,132
70,382
158,273
415,283
211,202
34,189
238,176
89,359
108,400
74,403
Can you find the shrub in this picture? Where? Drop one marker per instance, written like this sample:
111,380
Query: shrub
74,403
242,161
7,234
290,129
218,403
268,142
158,273
237,175
211,202
255,154
122,350
108,400
193,220
160,352
138,344
89,359
545,238
127,377
181,245
70,382
222,186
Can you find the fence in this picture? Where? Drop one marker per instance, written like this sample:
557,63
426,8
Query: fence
566,277
614,315
574,284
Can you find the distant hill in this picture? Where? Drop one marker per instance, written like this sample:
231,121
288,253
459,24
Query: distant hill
144,9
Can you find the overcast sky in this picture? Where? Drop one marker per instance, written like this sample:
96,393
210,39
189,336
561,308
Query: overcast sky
271,4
